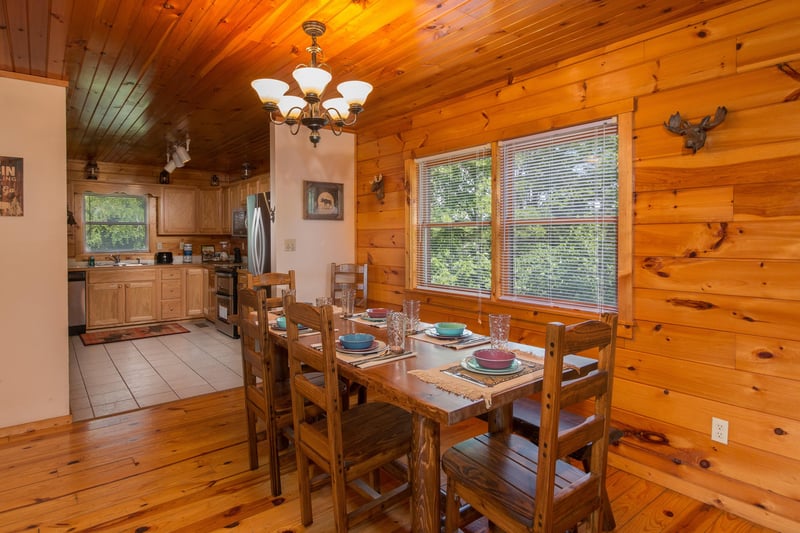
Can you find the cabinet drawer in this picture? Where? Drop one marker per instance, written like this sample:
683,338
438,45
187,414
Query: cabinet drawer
170,290
171,309
171,273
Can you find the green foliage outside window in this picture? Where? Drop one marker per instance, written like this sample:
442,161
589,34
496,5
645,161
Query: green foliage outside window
115,223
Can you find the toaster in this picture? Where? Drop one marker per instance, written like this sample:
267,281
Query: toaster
164,258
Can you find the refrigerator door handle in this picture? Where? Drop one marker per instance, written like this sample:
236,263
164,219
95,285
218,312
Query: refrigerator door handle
258,241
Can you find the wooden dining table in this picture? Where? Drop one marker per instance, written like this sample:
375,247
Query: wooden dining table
431,407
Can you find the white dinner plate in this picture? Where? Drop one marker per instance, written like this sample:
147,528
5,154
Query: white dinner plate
469,363
431,332
376,347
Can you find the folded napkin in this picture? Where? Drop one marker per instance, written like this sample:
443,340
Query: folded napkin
374,324
367,361
454,378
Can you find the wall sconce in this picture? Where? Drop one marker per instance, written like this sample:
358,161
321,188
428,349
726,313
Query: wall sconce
214,180
377,186
246,171
91,169
163,177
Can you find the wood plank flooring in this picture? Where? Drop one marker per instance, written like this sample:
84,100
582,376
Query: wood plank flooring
182,466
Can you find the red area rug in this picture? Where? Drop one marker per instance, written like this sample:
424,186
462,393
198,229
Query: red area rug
128,334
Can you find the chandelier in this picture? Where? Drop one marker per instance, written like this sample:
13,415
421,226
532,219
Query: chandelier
310,110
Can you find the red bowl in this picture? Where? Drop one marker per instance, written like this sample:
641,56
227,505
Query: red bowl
493,358
377,312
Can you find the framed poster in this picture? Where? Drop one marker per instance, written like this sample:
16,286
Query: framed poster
323,200
11,186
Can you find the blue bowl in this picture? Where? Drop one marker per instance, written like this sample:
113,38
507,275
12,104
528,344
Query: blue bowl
281,321
357,341
450,329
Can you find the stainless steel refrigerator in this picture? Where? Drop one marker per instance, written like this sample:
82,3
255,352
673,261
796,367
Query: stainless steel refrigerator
259,242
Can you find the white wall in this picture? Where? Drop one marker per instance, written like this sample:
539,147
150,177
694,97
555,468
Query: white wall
34,365
318,242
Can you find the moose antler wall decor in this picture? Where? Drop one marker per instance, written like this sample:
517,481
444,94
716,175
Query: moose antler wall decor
695,133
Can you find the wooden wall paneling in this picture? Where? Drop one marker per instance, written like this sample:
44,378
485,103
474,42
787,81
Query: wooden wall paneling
750,316
708,204
768,200
768,394
768,355
682,343
369,238
755,278
700,99
740,240
692,455
661,177
747,427
761,47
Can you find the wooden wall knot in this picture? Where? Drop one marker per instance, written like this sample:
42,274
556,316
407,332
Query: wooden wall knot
692,304
764,354
652,437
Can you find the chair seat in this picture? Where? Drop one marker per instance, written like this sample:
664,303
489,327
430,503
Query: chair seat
372,429
503,469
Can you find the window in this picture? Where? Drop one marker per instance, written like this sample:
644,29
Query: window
558,220
115,223
454,221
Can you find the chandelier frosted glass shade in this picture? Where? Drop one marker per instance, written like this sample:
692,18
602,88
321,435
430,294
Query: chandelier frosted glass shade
355,92
270,91
312,81
291,107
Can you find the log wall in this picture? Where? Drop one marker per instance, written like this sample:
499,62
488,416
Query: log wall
716,242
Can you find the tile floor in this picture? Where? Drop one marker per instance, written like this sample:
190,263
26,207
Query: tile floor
121,376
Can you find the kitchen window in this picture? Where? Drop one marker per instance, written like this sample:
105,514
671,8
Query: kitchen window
555,219
115,223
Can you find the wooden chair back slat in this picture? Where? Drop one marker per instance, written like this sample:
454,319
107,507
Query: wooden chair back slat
349,276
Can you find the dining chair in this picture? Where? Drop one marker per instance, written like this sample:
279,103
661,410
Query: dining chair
267,396
350,446
349,276
521,486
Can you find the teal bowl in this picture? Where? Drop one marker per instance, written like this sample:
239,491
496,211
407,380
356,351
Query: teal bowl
450,329
357,341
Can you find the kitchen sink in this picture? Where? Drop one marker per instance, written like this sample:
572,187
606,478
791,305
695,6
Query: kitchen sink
121,265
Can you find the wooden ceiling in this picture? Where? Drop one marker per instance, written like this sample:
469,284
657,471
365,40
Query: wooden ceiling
142,73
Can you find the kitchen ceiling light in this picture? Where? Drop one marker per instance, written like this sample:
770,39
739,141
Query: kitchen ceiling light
309,110
91,169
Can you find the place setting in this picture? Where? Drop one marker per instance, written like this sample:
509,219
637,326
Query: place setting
374,317
363,350
454,335
279,326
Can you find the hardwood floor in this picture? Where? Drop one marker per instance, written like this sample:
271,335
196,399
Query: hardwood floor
183,466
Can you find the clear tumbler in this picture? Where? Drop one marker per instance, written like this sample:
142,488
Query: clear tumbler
396,331
411,310
348,302
498,331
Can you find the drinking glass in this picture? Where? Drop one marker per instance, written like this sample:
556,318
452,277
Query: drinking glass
498,331
348,302
396,331
411,310
324,300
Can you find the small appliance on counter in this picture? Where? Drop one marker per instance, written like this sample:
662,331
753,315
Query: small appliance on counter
237,255
187,253
164,258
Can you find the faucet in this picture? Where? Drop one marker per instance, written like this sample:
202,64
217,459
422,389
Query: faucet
116,259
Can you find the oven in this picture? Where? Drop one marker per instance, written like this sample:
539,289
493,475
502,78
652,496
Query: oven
227,304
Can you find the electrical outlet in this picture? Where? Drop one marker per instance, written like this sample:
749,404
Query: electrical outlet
289,245
719,430
160,246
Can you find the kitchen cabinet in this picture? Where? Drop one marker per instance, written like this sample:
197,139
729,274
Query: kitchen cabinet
118,297
194,291
177,211
171,293
209,211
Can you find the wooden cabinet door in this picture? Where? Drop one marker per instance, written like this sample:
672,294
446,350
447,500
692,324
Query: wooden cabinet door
140,301
195,289
209,211
177,211
105,304
227,212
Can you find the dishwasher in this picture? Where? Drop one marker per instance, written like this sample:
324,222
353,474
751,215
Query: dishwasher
76,302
